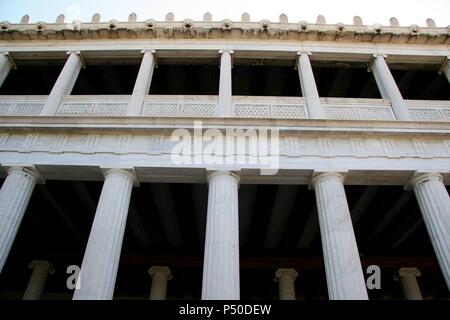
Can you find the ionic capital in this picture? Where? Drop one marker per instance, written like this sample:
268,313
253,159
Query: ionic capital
302,52
230,51
376,55
282,272
214,173
320,175
153,51
129,173
403,272
420,177
42,264
80,56
26,170
161,270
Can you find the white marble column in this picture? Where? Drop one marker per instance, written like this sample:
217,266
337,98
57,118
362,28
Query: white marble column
434,203
64,84
388,87
286,287
225,108
160,276
308,86
101,258
221,258
446,69
36,284
408,281
14,197
142,84
345,280
5,66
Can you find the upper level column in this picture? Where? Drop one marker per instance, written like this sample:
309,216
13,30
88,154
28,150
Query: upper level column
142,84
345,280
221,259
408,281
286,287
64,84
446,69
15,195
225,108
36,284
160,276
308,86
101,258
5,66
434,204
388,87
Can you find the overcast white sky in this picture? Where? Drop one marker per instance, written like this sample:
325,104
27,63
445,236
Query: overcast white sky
373,11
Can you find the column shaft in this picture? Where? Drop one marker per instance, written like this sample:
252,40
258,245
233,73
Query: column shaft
160,276
388,88
308,86
408,281
411,288
446,70
14,197
286,287
142,84
36,284
5,67
343,269
225,108
64,84
434,203
101,258
221,259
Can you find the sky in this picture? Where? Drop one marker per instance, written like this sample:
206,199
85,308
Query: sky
374,11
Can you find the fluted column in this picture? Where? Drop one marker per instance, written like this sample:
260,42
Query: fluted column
308,86
5,66
225,85
388,87
221,258
446,69
64,84
101,258
14,197
408,281
434,203
160,276
286,287
142,84
36,284
345,280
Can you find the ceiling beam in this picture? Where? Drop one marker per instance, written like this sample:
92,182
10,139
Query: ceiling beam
164,202
134,223
61,213
363,203
391,214
310,231
281,211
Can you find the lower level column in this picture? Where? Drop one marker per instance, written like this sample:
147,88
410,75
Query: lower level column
221,259
345,280
408,280
36,284
14,197
101,258
286,287
160,276
434,204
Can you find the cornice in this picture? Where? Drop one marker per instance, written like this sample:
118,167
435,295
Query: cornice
225,29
